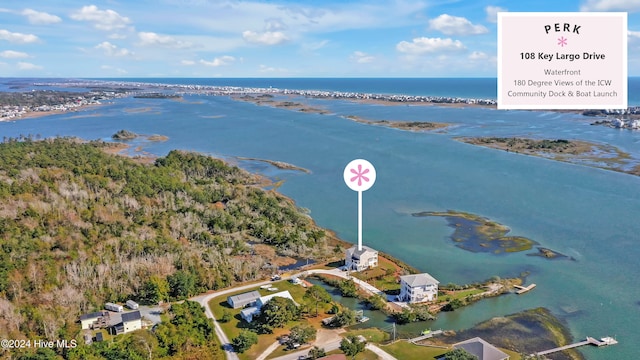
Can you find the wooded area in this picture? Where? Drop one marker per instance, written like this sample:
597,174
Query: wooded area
79,227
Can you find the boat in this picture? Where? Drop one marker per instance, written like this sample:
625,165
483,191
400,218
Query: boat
425,332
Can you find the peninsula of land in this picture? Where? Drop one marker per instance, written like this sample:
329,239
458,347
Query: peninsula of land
402,125
577,152
479,234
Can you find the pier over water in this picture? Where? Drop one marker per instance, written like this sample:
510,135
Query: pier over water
589,341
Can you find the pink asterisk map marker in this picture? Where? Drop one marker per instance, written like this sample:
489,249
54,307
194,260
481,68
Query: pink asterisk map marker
359,175
562,41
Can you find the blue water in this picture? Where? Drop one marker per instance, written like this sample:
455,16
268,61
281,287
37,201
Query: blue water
590,214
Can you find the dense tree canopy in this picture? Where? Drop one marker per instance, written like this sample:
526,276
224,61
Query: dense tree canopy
276,313
80,227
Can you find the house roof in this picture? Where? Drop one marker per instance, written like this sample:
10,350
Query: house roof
419,279
94,315
358,253
334,357
249,311
481,349
248,296
284,294
131,316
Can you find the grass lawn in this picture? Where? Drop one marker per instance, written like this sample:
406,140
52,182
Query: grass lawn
461,294
232,328
365,355
405,350
383,277
373,335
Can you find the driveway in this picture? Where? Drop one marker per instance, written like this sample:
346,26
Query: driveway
204,299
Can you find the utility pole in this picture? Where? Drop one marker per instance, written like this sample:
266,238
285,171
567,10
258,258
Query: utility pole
394,332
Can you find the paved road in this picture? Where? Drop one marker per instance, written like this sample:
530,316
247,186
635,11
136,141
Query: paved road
226,344
383,355
330,346
204,301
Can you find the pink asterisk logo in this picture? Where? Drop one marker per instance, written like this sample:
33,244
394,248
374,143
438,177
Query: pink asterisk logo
359,175
562,41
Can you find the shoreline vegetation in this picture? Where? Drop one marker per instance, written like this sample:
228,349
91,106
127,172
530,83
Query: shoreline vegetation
525,332
576,152
124,135
481,235
402,125
278,164
267,100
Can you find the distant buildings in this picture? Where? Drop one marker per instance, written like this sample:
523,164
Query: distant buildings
481,349
360,260
248,313
418,288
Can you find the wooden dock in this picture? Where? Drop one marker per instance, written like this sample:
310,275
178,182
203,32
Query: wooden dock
523,289
425,336
589,341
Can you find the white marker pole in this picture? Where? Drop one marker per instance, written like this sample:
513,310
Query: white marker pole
359,220
359,175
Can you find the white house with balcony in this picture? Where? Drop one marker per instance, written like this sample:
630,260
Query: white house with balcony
360,260
418,288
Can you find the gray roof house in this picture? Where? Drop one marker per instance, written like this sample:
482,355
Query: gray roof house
418,288
244,299
131,321
360,260
481,349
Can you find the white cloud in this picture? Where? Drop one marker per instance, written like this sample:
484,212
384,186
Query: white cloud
478,55
117,36
271,69
611,5
113,50
264,38
633,34
28,66
151,39
455,25
10,54
107,20
425,45
187,62
313,46
219,61
492,12
40,18
361,57
109,67
275,25
17,37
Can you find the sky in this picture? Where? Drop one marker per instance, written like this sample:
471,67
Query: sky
268,38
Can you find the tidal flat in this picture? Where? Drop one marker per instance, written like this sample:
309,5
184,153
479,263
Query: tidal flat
479,234
577,152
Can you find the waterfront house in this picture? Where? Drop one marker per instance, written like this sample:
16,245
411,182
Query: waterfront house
248,313
360,260
481,349
244,299
418,288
